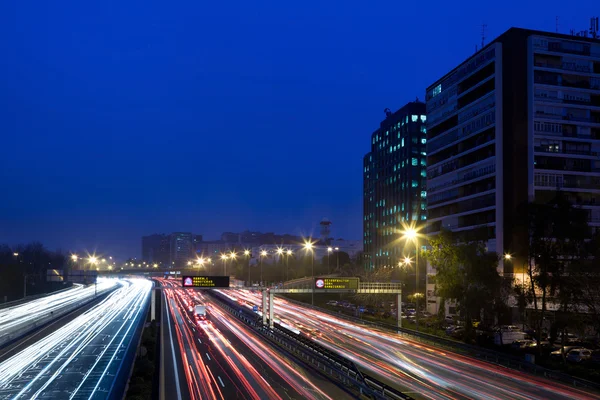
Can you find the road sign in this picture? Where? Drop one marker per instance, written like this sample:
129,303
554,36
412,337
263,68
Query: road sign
336,283
255,308
361,309
205,281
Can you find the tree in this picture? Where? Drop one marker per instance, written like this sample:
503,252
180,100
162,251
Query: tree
557,251
467,274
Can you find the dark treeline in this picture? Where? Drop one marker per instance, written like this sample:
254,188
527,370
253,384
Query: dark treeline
28,263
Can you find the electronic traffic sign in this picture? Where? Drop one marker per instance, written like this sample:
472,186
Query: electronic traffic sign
336,283
205,281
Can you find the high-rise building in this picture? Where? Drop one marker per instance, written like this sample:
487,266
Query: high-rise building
513,123
394,183
182,248
156,249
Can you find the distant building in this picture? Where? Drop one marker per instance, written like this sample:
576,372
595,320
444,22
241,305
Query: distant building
156,249
182,248
394,179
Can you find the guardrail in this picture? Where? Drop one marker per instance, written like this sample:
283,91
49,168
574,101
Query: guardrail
491,356
326,362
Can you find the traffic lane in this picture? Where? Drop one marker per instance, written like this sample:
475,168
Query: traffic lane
13,348
412,367
280,370
428,365
80,359
203,373
173,383
283,374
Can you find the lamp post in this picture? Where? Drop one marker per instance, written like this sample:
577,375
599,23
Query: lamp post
412,234
247,254
232,256
329,250
279,254
263,253
94,261
287,264
337,258
224,258
308,246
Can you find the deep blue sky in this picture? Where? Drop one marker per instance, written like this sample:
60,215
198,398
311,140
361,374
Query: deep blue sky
123,119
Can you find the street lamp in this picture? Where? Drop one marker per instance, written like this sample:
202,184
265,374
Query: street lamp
308,246
224,258
287,263
337,258
279,252
263,253
411,234
247,254
329,250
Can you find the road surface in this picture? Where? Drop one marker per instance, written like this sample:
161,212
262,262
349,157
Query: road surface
81,359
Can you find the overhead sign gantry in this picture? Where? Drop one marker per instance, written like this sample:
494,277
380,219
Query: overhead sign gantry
209,282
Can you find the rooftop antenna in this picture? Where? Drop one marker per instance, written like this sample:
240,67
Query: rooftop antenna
594,27
483,26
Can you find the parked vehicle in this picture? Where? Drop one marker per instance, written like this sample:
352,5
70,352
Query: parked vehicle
507,334
332,303
557,355
523,344
579,355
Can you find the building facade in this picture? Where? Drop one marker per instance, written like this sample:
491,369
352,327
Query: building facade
156,249
394,180
182,248
513,123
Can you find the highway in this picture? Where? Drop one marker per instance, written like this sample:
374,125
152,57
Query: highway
16,318
81,359
421,371
224,359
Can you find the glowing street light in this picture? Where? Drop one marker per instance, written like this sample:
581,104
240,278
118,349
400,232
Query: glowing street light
411,233
93,260
308,246
246,253
507,257
16,254
74,257
189,263
155,265
224,258
263,253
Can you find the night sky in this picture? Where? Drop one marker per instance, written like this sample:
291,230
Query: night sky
134,117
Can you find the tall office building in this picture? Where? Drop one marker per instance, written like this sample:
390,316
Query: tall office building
182,248
393,183
156,249
513,123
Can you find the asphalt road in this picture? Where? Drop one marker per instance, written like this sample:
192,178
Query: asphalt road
81,359
422,371
223,359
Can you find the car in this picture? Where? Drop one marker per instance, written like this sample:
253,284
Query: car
332,303
523,344
557,355
569,338
579,355
449,318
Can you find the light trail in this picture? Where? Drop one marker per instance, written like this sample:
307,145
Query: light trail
81,359
422,370
227,372
16,318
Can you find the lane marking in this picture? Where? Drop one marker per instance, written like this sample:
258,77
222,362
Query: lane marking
207,356
200,341
220,380
173,351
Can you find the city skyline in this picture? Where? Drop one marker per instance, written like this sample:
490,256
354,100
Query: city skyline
112,169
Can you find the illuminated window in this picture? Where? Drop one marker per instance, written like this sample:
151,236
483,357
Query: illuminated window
424,173
423,141
415,118
423,129
437,90
407,119
415,184
423,118
423,162
423,193
402,143
415,161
